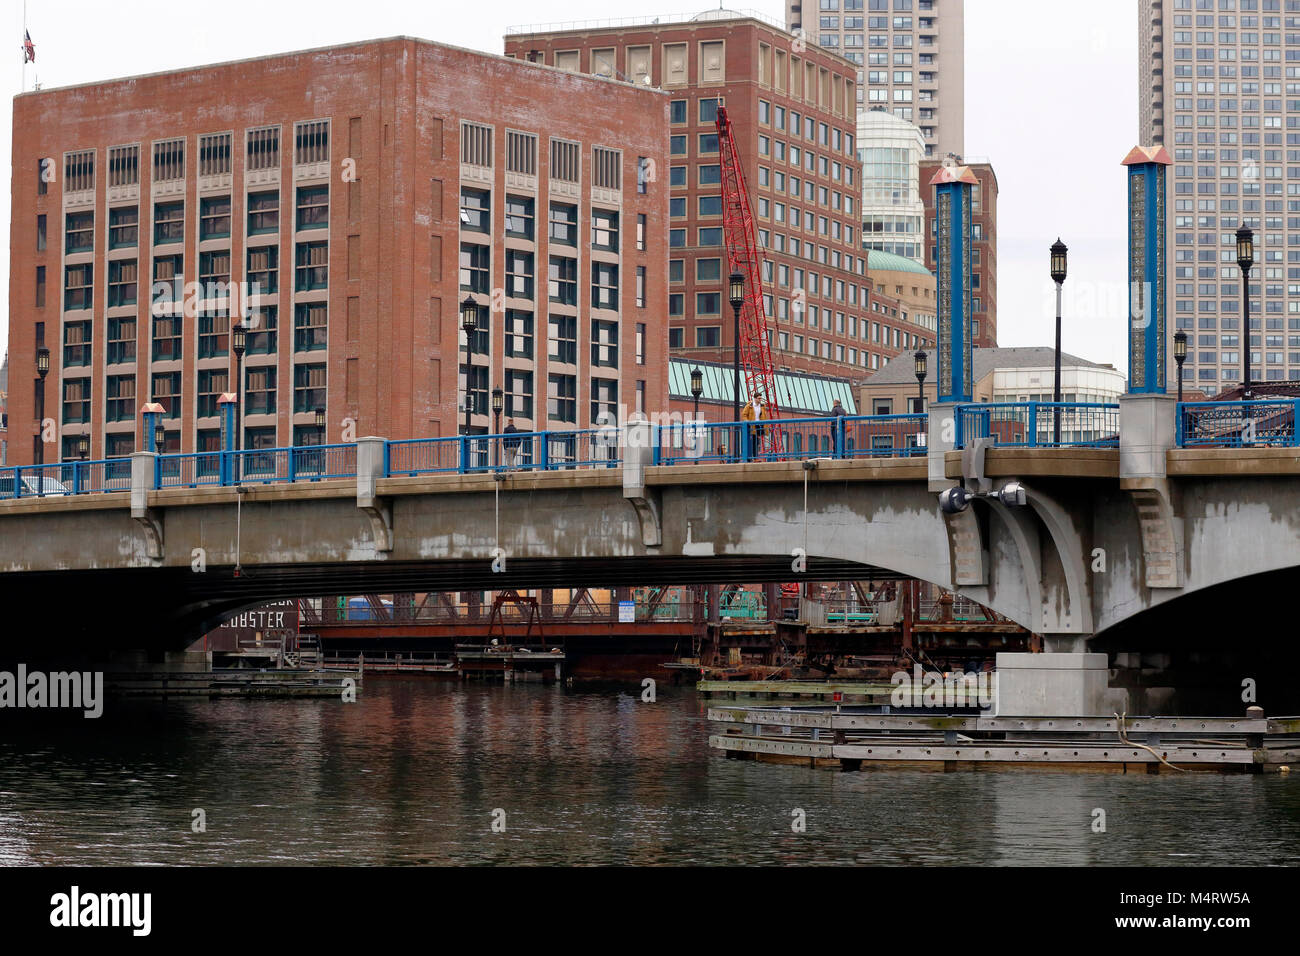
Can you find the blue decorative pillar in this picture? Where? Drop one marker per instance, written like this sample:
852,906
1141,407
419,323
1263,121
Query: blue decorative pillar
953,235
1147,269
151,412
227,404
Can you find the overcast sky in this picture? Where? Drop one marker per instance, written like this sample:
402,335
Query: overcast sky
1051,101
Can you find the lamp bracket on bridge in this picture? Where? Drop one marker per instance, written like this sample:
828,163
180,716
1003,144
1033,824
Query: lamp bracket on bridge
957,499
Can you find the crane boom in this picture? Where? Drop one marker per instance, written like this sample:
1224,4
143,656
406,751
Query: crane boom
744,257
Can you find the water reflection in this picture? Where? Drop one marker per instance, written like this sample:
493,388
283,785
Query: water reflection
413,772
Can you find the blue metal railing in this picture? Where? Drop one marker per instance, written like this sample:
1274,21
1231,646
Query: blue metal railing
792,439
1034,424
1238,424
65,478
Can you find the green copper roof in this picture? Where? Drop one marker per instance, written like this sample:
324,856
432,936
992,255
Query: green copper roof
888,262
797,393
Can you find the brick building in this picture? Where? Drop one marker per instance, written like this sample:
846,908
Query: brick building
365,189
984,255
794,111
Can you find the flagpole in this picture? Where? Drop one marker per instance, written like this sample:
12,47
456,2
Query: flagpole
24,46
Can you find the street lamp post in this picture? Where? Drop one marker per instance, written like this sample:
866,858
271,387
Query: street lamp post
468,322
1180,356
920,359
42,369
83,447
697,389
1058,276
736,292
1245,259
498,402
238,343
320,424
159,438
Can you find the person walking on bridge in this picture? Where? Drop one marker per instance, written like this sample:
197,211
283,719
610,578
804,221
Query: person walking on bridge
837,415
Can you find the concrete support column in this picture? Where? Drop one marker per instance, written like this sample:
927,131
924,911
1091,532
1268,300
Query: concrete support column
1066,684
715,603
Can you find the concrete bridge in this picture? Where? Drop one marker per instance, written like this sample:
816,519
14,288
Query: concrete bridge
1130,543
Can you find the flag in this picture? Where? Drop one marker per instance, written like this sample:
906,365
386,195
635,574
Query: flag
29,48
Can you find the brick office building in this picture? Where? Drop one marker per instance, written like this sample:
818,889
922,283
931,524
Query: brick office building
984,254
366,189
794,111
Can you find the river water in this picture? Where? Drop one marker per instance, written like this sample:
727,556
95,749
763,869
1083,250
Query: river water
416,772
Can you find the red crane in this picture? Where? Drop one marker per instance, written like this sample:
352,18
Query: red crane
743,256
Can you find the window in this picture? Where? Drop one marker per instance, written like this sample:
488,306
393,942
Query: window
474,267
710,174
78,286
710,205
604,400
519,217
214,274
563,280
521,153
80,232
309,331
311,266
677,146
76,401
675,338
640,287
263,149
169,160
261,330
562,398
640,232
519,393
562,339
121,340
605,168
311,142
604,229
604,343
166,391
475,210
707,336
564,224
263,272
313,207
166,337
119,398
259,390
212,384
168,278
309,387
263,212
710,237
604,285
214,154
519,274
708,270
519,333
677,111
124,166
643,168
709,143
482,341
566,159
124,227
76,344
168,222
640,343
214,218
214,334
122,282
677,304
708,303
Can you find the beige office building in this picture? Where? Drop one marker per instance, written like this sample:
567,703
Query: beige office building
1220,90
910,56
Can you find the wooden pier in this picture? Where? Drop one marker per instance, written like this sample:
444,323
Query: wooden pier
850,739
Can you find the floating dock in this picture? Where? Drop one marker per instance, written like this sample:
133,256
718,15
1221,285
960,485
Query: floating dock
850,739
